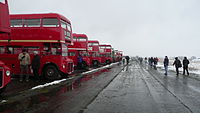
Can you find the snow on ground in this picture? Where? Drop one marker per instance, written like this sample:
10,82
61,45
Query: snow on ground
48,84
3,101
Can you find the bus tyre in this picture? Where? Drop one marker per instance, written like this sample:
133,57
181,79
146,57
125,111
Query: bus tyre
2,89
85,66
95,63
51,73
108,62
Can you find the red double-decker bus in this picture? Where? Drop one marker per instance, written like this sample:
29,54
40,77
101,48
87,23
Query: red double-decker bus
80,46
117,55
93,48
106,53
49,34
4,29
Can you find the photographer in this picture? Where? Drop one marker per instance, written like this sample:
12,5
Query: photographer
24,59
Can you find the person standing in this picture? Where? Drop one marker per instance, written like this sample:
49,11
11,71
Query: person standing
155,62
127,60
166,63
185,65
123,61
36,65
80,61
177,64
145,62
24,59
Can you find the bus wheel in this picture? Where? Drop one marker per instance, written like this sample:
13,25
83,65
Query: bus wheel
108,62
95,63
51,73
85,66
2,89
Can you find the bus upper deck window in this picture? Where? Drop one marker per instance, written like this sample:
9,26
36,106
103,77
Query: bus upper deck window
81,39
50,22
16,23
63,24
2,1
68,26
32,23
74,38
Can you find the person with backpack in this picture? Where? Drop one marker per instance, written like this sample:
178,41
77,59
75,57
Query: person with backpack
177,64
185,65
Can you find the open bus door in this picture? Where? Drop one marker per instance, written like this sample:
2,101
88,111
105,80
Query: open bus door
4,17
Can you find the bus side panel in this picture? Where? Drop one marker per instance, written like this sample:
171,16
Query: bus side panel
4,18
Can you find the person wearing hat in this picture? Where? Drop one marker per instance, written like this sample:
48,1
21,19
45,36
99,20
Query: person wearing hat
24,59
36,65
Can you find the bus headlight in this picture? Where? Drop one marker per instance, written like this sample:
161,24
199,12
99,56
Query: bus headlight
63,66
7,73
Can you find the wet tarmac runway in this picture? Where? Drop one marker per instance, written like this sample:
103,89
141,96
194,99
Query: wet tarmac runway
142,90
129,89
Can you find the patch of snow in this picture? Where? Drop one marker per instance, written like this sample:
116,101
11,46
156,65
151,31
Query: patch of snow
3,101
59,81
48,84
104,67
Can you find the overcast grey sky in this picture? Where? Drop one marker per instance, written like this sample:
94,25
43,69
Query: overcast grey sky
138,27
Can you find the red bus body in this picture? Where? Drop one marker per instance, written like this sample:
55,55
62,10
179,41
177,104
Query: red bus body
4,17
48,34
106,53
4,29
93,48
80,46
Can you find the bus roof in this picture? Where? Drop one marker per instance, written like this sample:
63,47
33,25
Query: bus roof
93,41
80,35
42,15
105,45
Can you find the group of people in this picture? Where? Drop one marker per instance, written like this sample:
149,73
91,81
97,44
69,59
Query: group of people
177,64
25,63
153,61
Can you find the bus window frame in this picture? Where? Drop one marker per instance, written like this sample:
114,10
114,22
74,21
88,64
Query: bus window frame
25,25
57,26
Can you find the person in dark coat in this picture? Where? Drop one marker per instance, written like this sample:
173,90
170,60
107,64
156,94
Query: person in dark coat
166,64
151,62
127,59
80,61
155,62
185,65
36,65
177,64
